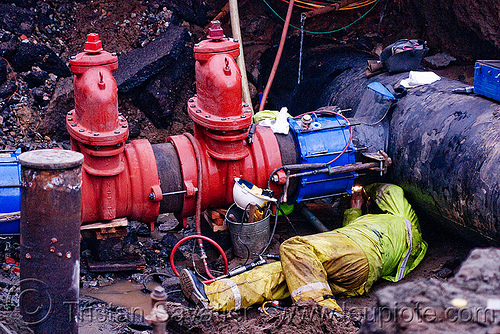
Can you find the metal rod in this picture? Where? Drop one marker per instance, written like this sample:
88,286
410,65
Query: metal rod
10,185
178,192
353,167
330,127
325,196
327,154
329,180
7,217
311,218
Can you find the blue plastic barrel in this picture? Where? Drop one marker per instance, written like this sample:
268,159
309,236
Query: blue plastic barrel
10,191
321,142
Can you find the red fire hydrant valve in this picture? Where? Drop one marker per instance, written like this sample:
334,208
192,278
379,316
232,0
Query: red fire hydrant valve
93,44
119,179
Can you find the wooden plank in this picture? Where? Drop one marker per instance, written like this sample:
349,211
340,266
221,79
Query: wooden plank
118,222
213,224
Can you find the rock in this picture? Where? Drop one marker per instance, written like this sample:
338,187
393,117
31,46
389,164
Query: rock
8,47
139,65
169,240
143,231
17,20
29,54
36,78
193,11
161,95
3,71
25,117
445,273
430,306
54,124
24,3
440,60
40,97
7,89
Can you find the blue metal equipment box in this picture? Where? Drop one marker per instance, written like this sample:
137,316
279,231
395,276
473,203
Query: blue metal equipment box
487,78
10,192
326,138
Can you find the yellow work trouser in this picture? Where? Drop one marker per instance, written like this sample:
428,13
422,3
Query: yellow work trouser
311,267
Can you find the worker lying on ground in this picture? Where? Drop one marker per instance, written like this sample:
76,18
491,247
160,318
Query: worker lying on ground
343,262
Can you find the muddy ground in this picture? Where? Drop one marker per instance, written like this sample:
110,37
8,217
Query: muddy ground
28,105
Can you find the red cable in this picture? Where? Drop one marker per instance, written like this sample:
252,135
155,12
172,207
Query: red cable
278,56
201,237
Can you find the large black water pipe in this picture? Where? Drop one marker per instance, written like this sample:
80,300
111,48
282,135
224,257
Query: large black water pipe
445,149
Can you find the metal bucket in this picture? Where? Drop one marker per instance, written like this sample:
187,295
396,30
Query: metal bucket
255,235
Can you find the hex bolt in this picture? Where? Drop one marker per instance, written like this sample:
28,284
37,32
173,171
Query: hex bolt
52,249
243,116
81,130
207,116
152,196
192,105
28,256
59,254
124,125
191,100
198,111
96,134
276,178
73,125
119,114
53,240
117,132
223,118
70,119
68,255
245,105
70,113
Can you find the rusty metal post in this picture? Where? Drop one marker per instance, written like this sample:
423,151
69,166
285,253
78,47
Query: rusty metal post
50,239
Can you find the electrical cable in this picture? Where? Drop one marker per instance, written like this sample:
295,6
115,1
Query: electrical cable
272,234
242,222
322,32
288,219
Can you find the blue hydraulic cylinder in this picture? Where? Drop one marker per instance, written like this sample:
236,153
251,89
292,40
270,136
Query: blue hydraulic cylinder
321,139
10,192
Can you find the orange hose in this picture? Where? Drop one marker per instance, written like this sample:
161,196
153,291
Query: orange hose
278,55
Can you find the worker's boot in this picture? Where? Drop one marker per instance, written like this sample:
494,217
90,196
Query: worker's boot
192,288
